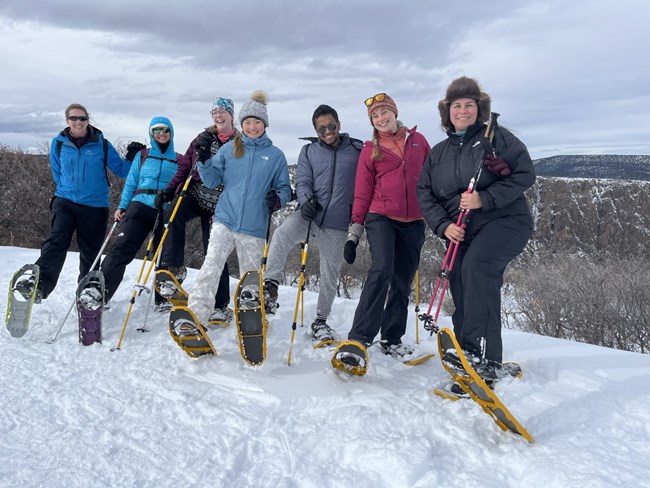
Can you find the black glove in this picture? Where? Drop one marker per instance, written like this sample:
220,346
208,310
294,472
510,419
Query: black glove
350,251
310,209
497,165
132,149
167,195
272,200
203,147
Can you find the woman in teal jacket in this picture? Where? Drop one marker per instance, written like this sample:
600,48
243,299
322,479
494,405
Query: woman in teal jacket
256,182
150,173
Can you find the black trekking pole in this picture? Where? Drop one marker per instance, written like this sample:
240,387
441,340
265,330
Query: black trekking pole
431,322
301,290
74,301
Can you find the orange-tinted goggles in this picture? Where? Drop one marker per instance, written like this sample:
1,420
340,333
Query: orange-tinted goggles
379,97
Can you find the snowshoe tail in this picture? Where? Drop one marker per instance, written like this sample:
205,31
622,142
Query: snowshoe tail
351,357
19,304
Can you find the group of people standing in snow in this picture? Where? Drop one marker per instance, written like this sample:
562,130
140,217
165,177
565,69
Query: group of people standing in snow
389,187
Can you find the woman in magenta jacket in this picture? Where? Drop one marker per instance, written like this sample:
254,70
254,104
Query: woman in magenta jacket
385,203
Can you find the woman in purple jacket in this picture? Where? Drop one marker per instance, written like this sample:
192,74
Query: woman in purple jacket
385,203
199,201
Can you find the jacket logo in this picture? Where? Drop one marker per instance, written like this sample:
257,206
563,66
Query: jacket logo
265,158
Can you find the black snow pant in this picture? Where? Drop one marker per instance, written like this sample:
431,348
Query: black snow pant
475,283
395,251
173,253
137,223
68,217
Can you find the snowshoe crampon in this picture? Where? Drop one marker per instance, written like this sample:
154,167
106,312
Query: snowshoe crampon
250,317
90,302
22,294
168,287
189,334
351,357
469,380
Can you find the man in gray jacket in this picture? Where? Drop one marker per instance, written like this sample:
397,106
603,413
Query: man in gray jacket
327,168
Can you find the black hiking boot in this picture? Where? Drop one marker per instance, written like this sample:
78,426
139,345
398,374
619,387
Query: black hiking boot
320,331
270,297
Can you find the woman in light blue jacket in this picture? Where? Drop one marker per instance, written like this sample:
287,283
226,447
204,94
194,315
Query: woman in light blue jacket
256,182
150,173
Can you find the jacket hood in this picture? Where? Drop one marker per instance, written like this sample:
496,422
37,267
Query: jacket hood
162,120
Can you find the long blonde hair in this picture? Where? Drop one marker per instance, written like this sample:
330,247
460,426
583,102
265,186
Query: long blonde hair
238,144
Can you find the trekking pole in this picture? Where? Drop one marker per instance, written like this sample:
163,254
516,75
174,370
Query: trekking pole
442,281
417,306
181,196
138,288
301,290
151,292
74,301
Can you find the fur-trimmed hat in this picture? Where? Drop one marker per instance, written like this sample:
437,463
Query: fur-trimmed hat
385,102
464,87
255,107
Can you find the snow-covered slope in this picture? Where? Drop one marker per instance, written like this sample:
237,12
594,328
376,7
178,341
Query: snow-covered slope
148,415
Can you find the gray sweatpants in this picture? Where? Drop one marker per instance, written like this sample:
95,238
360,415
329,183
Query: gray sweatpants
330,245
222,241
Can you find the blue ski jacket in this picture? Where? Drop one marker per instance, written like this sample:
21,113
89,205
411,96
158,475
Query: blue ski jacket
80,172
154,173
246,181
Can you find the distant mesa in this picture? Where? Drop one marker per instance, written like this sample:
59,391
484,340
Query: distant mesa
604,166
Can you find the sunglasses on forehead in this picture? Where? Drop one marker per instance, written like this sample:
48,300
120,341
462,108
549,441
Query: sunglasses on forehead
158,130
331,127
75,118
379,97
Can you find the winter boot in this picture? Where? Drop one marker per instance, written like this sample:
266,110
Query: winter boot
270,297
26,288
91,298
220,315
398,351
320,331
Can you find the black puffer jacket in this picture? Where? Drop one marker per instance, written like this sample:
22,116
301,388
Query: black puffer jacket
450,166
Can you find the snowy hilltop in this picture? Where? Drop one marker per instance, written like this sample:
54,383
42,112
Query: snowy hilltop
148,415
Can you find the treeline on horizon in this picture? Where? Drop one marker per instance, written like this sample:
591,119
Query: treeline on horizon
576,279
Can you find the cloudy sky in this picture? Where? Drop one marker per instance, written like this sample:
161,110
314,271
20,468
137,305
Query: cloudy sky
568,77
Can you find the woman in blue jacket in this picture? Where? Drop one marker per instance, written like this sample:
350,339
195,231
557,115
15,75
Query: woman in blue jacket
256,182
150,173
79,156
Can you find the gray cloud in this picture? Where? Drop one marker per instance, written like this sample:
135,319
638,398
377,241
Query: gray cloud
565,76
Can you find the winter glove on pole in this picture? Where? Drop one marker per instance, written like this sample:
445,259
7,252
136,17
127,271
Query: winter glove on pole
132,149
272,200
497,165
350,250
310,209
167,195
203,147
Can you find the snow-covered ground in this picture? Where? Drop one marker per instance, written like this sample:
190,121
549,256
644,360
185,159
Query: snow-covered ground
148,415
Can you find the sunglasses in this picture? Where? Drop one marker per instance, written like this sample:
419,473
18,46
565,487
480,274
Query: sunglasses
158,130
331,127
379,97
77,118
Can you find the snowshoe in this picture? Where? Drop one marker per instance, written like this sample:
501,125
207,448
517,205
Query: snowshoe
23,293
468,379
351,357
169,287
90,304
250,317
189,334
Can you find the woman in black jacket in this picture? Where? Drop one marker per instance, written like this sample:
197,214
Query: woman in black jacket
500,223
